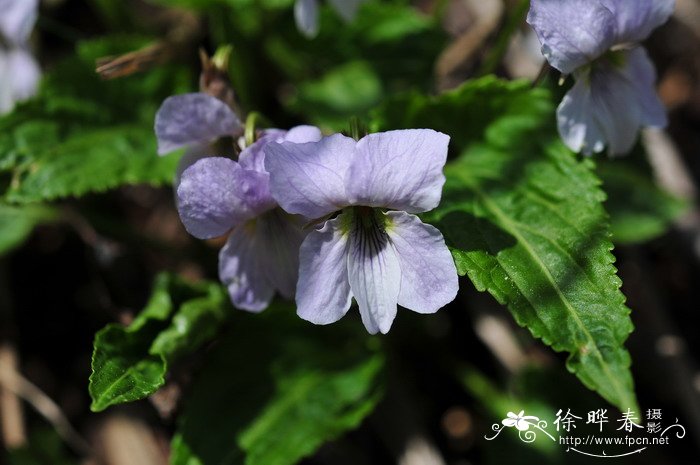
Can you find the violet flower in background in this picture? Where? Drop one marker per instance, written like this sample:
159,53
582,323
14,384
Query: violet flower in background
598,42
193,121
306,13
19,71
217,195
376,250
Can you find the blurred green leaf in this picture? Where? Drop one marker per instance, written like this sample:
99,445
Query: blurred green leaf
273,60
639,209
130,363
498,403
348,90
525,222
275,389
44,447
82,134
17,223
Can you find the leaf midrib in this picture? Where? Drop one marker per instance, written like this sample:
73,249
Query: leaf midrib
510,227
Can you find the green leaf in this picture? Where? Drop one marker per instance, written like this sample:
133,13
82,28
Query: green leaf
345,91
93,161
130,363
82,134
272,392
639,209
525,222
16,223
44,447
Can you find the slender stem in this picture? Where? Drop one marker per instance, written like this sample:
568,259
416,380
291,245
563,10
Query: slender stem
12,424
12,380
498,51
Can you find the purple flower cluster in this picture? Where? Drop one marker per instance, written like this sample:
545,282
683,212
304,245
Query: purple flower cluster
358,198
598,42
19,71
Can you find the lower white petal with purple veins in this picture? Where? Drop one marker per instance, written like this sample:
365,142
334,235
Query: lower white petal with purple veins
609,103
373,270
190,119
382,260
243,272
429,278
323,291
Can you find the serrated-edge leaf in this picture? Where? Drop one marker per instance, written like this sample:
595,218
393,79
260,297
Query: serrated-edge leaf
526,222
130,384
140,353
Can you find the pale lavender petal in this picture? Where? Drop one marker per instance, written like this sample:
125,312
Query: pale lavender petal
253,157
191,119
280,235
303,134
25,73
577,122
216,194
192,155
323,292
17,19
590,115
428,274
374,272
309,179
347,9
641,73
7,101
401,170
19,77
573,33
242,271
636,19
306,16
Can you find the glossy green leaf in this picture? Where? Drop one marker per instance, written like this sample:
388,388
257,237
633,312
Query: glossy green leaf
83,134
17,223
130,363
275,389
525,221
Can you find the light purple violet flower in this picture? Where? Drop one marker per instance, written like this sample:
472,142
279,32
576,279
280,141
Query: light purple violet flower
376,250
19,71
217,195
306,14
598,42
193,120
